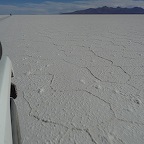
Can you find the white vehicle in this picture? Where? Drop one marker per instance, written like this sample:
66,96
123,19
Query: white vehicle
9,124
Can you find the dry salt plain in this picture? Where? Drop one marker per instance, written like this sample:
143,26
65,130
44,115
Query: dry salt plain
80,79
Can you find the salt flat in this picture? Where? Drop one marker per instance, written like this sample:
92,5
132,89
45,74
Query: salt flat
80,78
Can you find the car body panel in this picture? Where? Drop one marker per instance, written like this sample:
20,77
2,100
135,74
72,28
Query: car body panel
5,83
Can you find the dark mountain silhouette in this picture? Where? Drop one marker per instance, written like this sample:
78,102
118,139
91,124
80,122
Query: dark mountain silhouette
109,10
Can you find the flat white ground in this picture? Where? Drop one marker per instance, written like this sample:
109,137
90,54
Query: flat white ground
80,79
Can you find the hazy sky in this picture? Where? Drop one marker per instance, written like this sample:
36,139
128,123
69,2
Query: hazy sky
58,6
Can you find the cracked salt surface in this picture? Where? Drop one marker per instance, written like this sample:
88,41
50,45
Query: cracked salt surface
79,78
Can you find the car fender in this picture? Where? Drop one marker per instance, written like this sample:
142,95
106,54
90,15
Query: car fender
6,72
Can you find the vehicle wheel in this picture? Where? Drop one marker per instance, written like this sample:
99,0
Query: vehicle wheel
15,123
13,92
0,50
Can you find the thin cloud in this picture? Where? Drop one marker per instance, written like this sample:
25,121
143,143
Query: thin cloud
49,7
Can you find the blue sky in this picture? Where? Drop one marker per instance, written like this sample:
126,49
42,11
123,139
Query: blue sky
59,6
32,1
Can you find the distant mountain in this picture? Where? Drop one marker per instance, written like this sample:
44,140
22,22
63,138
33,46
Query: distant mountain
109,10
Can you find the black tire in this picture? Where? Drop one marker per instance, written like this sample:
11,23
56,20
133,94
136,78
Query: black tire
13,92
0,50
16,135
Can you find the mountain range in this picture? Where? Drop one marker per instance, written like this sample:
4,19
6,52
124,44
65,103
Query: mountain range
109,10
